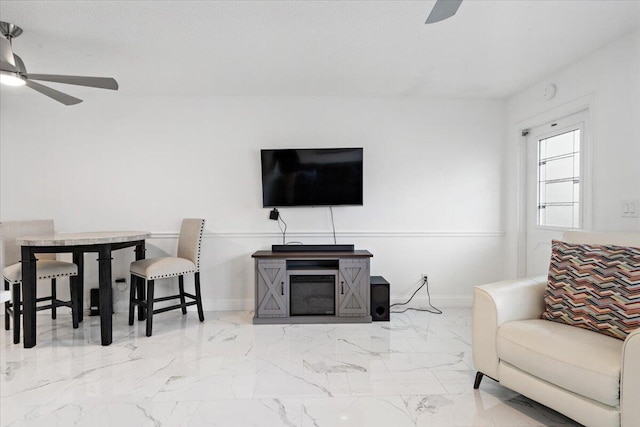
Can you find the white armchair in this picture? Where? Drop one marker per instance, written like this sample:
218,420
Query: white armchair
589,377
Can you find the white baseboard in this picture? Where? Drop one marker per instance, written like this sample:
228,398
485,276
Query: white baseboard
239,304
227,304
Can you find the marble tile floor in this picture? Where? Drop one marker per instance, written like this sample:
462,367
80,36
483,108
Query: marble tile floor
415,370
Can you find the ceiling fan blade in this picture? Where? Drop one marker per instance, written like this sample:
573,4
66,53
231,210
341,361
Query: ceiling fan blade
97,82
7,63
54,94
443,9
20,65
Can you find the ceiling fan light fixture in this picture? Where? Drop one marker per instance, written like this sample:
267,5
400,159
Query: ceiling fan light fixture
11,79
14,73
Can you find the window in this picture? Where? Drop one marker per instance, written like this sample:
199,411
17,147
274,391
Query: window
559,179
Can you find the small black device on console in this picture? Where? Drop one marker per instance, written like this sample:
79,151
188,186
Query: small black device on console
312,248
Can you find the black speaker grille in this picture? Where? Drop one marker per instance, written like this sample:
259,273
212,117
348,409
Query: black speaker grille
379,299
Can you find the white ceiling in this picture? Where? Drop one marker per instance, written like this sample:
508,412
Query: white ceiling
313,48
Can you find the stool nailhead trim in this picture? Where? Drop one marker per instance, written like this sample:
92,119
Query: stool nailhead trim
49,276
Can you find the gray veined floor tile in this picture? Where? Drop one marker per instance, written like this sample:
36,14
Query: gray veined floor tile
415,370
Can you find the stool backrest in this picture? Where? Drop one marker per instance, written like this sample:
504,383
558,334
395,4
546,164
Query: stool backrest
11,230
190,240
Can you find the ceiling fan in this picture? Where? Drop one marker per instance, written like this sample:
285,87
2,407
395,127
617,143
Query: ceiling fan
443,9
14,73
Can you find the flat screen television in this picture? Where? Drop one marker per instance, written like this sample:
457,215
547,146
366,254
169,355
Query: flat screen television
311,177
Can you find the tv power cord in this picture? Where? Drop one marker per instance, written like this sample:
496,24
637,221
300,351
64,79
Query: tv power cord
432,309
276,216
333,225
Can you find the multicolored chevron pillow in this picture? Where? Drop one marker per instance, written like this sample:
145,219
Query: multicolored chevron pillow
595,287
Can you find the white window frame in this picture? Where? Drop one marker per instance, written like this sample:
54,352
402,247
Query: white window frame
518,131
555,128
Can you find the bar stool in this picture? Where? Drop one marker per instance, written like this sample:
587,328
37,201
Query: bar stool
47,267
151,269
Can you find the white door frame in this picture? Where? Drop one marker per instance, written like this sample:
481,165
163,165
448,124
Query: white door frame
585,103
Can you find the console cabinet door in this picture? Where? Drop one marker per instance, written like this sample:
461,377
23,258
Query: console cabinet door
272,291
353,288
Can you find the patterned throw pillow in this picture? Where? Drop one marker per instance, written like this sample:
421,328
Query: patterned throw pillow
595,287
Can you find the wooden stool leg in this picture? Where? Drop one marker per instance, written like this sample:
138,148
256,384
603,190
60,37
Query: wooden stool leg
199,296
7,307
53,298
142,309
16,312
73,290
181,287
132,298
149,307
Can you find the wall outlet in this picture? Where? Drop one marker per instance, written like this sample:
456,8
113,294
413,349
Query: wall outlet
630,208
121,284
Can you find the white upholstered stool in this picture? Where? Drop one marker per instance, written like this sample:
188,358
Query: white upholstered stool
47,267
152,269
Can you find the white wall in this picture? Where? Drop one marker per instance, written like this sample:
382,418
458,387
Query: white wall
608,81
433,180
441,189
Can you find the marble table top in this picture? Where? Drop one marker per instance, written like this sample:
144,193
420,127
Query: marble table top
85,238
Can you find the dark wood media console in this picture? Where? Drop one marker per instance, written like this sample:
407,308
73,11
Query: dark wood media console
312,287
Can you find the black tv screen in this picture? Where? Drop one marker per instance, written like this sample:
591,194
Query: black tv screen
311,177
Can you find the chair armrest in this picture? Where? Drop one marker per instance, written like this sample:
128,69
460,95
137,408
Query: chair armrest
630,381
498,303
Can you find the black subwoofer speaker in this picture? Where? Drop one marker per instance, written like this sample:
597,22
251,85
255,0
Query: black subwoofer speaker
379,299
94,301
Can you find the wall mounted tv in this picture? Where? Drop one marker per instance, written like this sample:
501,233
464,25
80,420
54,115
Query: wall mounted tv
311,177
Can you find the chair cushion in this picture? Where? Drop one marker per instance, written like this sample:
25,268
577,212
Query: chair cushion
574,359
45,268
159,268
595,287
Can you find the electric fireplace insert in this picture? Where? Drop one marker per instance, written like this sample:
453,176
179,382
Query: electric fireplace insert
312,294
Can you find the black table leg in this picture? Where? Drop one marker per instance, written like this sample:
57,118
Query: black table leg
142,310
106,297
78,259
28,297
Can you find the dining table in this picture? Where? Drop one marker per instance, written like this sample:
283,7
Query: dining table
77,244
